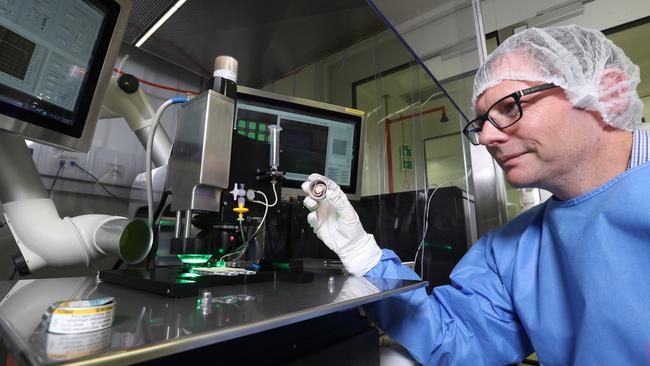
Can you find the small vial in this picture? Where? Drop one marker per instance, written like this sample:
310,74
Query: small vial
317,189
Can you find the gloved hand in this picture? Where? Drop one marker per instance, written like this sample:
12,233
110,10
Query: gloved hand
337,224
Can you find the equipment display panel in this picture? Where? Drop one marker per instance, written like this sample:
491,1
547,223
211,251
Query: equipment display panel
52,54
315,137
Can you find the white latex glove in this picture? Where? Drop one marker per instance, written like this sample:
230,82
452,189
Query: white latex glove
337,224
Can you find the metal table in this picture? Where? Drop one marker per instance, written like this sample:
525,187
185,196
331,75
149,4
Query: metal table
148,326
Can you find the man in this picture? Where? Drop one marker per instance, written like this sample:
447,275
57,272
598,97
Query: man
568,278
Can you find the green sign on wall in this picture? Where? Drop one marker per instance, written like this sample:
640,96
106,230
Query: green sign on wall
406,157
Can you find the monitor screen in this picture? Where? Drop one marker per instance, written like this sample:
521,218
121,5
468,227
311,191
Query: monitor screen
315,137
52,54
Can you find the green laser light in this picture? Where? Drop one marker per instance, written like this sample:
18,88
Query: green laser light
194,259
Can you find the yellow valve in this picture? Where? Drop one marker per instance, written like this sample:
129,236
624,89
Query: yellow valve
241,210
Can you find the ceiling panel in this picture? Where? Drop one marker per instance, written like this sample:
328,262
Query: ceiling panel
268,38
144,13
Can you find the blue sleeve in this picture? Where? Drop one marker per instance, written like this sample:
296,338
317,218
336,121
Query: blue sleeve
470,322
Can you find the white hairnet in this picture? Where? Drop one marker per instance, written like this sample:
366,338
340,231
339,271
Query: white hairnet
583,62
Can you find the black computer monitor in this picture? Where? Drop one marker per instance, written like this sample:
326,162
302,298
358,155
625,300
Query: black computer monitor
55,60
315,138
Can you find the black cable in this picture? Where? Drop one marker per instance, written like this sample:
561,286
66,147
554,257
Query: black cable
13,274
74,164
157,216
56,176
118,264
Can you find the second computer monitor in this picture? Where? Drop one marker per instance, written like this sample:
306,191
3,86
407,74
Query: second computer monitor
315,138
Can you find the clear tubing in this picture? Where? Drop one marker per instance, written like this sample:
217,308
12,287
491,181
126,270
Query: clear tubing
274,139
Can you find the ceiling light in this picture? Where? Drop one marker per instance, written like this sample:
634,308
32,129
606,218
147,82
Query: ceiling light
160,22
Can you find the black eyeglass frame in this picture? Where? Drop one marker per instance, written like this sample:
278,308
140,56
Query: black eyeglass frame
486,116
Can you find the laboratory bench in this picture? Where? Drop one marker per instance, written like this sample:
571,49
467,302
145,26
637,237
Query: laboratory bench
314,322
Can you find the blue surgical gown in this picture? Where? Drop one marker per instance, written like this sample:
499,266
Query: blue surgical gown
569,280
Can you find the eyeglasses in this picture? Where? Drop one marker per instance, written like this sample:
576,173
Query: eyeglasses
502,114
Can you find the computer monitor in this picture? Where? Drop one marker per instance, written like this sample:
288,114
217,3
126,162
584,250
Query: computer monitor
55,61
315,138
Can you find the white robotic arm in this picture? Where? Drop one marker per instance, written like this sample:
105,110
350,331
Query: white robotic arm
43,237
124,98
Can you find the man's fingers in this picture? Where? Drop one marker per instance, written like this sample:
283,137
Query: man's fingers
305,186
337,199
315,176
310,203
312,219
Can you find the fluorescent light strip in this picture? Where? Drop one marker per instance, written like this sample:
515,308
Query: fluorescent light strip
160,22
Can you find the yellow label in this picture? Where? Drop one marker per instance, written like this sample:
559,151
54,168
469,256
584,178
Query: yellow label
355,111
82,311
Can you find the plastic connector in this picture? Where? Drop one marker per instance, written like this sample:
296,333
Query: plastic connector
239,190
240,210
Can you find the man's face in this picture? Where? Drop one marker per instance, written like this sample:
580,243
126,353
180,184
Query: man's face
546,146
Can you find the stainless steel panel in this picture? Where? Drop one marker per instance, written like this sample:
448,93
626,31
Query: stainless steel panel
469,210
147,326
489,190
199,164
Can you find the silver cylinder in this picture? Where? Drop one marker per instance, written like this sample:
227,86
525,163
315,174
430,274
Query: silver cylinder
188,224
274,144
19,179
179,224
226,67
130,239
